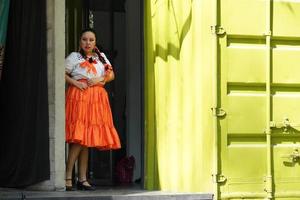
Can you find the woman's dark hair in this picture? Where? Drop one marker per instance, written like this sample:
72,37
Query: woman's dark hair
96,50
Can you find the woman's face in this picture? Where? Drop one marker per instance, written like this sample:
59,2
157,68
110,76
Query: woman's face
88,42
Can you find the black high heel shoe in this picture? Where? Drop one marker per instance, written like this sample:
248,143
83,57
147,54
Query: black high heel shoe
81,186
69,188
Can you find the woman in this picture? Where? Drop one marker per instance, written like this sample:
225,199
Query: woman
88,115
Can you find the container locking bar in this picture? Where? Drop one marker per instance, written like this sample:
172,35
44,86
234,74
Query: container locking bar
286,124
293,157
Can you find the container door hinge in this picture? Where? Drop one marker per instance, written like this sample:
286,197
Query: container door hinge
219,112
218,30
219,178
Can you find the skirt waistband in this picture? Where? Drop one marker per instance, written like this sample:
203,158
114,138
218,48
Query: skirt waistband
86,80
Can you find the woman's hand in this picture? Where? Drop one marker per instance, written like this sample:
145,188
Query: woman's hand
80,85
110,75
95,81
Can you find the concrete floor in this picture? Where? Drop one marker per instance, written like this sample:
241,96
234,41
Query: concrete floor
102,193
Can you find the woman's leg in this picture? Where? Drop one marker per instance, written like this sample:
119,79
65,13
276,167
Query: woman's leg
83,164
74,150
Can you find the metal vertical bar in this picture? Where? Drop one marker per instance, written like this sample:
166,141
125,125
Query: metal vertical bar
215,99
142,75
269,178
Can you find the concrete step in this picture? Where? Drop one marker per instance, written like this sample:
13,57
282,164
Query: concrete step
101,194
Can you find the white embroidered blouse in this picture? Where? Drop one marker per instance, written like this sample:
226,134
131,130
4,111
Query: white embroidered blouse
79,68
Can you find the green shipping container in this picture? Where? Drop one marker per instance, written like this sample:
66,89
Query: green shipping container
222,97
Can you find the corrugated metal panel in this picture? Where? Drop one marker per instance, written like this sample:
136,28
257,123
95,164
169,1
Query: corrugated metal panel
259,89
257,56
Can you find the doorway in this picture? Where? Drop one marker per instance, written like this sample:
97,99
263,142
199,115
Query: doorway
118,25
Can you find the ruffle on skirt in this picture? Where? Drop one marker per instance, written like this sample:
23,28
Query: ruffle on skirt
89,119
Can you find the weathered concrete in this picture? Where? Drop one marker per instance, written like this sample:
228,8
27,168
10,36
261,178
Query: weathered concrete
105,194
56,85
56,95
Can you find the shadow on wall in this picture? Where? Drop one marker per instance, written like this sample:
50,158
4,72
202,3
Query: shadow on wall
173,48
181,32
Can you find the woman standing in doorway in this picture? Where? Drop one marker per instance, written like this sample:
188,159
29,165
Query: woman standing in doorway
89,120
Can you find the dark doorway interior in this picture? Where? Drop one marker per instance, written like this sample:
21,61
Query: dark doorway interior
113,20
108,19
24,149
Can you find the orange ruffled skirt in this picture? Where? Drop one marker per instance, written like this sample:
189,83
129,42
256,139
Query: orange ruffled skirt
89,119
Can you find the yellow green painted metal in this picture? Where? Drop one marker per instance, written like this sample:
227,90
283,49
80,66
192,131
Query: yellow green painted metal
177,106
223,97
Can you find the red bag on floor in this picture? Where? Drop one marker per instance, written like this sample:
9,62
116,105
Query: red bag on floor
124,170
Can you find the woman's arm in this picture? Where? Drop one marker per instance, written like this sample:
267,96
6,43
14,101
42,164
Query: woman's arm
102,80
109,76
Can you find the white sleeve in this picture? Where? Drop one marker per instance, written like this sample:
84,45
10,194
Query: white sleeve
70,62
105,58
